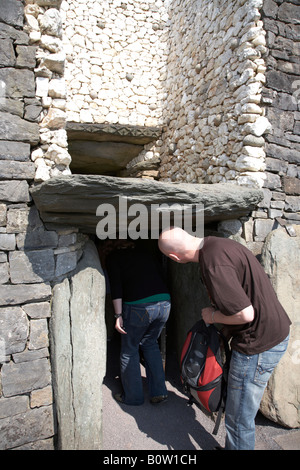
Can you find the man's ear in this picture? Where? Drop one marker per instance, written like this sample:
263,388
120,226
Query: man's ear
174,257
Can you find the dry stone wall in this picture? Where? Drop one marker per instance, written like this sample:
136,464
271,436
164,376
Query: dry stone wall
281,98
116,60
215,75
221,78
32,259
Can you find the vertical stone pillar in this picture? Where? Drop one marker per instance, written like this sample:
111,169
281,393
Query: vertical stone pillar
78,345
281,261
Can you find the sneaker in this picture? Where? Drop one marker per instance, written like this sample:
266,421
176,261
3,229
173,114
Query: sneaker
119,397
159,399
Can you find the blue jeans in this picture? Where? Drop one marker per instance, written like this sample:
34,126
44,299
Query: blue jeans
143,324
248,377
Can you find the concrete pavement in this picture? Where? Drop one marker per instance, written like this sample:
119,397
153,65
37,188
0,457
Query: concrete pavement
172,425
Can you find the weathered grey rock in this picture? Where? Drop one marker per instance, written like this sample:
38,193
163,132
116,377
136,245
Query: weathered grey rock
291,185
292,203
73,200
282,153
36,239
12,106
62,363
7,54
20,294
4,273
31,266
65,262
27,427
15,128
3,214
26,56
289,13
33,112
31,235
49,3
38,338
19,37
18,83
19,151
261,228
7,241
78,338
14,329
13,406
25,377
14,191
37,310
281,261
16,170
29,355
11,12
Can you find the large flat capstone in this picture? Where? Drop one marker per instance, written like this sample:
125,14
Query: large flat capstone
73,200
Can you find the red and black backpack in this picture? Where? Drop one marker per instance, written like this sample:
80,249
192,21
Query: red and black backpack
204,365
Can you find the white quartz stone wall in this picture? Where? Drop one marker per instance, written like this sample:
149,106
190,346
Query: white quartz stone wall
116,60
215,73
194,67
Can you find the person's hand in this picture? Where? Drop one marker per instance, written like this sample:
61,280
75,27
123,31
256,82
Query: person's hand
207,315
119,326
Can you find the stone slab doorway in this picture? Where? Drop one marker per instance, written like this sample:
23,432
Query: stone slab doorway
82,313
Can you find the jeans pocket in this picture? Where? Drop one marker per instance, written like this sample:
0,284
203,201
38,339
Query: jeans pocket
139,316
263,373
267,361
238,370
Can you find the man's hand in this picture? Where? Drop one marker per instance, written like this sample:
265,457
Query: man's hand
119,326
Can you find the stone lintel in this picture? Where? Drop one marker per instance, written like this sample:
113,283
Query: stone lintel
73,200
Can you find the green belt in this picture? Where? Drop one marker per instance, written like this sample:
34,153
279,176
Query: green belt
152,298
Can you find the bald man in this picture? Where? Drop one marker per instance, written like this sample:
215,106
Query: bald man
243,300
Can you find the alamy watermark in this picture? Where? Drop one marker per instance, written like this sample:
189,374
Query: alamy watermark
134,221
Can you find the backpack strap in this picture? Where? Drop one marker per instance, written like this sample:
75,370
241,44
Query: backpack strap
225,378
218,420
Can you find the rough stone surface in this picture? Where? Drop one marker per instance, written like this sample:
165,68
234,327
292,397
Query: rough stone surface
25,377
15,128
14,328
11,12
78,338
26,427
32,266
14,151
20,294
14,191
209,77
281,261
74,200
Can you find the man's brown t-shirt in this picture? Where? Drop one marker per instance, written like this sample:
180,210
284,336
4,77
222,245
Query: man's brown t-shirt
235,279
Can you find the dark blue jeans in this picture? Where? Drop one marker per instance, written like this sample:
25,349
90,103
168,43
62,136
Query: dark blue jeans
143,324
248,377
